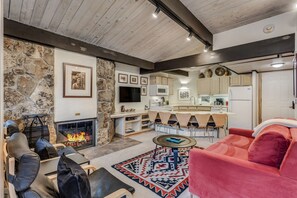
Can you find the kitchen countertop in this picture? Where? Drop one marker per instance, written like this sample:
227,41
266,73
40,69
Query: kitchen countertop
200,112
189,105
124,114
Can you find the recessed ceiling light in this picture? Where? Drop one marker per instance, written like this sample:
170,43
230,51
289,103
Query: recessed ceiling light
268,28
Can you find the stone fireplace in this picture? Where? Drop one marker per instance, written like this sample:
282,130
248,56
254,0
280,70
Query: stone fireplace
79,134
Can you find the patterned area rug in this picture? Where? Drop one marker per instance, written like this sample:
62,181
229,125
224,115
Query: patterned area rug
158,174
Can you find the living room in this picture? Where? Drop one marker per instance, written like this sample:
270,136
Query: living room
157,86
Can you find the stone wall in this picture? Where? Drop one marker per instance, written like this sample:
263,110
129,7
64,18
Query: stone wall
106,94
28,81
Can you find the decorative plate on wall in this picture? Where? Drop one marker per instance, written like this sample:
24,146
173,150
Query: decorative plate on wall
220,71
201,75
208,73
228,72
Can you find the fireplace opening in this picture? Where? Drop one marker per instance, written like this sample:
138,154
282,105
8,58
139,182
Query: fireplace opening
79,134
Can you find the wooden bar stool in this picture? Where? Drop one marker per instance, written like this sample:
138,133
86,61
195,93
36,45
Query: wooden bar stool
183,120
165,116
202,120
152,117
220,121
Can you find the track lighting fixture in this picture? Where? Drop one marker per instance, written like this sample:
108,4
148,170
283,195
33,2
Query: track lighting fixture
155,14
190,36
206,48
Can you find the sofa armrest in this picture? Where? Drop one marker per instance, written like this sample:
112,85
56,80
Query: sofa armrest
242,132
216,175
59,146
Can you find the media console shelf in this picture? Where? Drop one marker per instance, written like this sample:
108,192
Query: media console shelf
130,123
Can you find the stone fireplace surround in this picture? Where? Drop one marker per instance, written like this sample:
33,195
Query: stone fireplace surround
29,86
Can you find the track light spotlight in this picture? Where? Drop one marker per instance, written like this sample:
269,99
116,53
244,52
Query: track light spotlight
155,14
190,36
206,48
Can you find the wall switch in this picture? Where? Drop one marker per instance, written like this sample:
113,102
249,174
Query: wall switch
77,114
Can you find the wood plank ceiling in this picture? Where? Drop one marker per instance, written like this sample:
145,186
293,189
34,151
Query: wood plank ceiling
222,15
125,26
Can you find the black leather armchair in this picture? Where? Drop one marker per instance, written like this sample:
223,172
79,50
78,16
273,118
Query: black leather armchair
29,182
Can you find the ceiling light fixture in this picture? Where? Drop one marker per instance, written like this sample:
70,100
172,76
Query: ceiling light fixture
155,14
278,62
296,5
206,48
190,36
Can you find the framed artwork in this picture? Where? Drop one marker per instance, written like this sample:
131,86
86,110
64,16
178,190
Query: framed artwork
122,78
133,79
144,90
143,80
183,94
77,81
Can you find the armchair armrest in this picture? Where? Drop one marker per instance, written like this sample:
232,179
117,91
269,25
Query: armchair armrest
85,167
59,145
212,174
120,193
242,132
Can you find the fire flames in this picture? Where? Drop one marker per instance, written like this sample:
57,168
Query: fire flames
77,137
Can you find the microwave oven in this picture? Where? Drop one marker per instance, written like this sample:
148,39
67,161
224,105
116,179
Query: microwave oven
159,90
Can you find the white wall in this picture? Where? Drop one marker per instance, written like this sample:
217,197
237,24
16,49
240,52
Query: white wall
284,24
66,108
127,69
181,82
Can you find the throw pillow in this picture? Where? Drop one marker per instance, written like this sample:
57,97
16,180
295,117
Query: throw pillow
270,146
72,179
44,149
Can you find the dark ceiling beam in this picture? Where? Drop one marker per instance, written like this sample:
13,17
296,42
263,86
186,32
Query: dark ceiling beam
29,33
183,16
273,46
178,72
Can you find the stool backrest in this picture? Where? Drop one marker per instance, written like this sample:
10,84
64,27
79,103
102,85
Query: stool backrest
152,116
219,119
164,116
183,119
202,119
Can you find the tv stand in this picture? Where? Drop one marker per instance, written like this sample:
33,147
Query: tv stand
130,123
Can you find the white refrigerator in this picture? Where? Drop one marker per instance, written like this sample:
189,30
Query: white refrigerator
241,104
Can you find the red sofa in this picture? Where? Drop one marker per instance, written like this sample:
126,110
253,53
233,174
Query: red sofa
228,168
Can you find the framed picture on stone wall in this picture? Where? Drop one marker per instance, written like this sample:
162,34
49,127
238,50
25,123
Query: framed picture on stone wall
122,78
133,79
77,81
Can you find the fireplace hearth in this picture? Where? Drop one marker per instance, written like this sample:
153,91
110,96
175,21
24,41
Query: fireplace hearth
79,134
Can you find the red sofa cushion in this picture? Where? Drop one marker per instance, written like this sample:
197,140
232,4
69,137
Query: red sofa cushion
238,141
270,146
228,150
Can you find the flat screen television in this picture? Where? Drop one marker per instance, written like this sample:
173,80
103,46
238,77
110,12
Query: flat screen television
130,94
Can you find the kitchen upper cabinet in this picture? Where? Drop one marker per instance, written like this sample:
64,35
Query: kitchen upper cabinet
235,80
224,85
203,86
164,81
171,86
212,86
215,86
241,80
246,79
156,80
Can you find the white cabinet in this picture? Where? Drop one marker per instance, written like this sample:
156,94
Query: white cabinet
241,80
203,86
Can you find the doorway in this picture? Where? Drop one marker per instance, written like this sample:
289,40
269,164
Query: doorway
277,94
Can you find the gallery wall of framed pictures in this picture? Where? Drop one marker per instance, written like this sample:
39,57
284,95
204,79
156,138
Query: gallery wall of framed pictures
133,79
